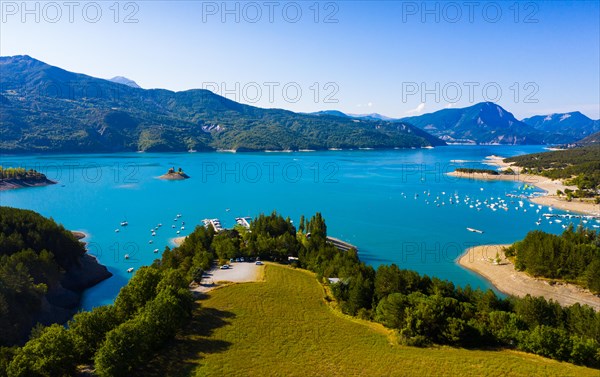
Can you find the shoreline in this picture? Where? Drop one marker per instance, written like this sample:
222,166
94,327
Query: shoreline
14,184
547,185
174,177
503,276
79,235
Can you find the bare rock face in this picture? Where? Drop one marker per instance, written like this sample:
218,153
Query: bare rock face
62,301
86,275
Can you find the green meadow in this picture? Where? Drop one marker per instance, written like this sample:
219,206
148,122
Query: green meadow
285,326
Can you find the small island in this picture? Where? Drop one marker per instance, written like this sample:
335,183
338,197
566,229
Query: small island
173,175
14,178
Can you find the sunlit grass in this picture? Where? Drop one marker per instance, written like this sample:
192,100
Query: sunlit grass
283,326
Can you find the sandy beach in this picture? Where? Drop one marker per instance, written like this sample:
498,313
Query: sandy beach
178,240
482,260
546,184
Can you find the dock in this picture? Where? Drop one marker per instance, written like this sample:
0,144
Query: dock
243,221
215,223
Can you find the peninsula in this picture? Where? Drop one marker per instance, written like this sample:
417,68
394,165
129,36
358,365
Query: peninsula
14,178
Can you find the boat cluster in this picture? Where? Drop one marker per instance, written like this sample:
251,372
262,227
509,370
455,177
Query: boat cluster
516,202
153,233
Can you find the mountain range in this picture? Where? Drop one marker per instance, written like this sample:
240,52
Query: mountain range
565,127
489,123
48,109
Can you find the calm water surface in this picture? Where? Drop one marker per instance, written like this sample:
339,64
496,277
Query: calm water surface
384,202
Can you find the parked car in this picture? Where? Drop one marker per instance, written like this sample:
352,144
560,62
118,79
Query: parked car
225,267
259,263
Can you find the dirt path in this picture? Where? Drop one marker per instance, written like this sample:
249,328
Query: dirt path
481,259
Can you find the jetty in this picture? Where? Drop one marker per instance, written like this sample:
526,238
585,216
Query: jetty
339,244
215,223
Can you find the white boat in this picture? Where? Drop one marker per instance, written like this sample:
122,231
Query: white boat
159,225
130,269
153,234
179,215
475,230
150,241
182,228
178,232
156,250
126,256
173,226
116,230
124,223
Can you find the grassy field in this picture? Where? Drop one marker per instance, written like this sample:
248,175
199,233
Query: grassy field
283,326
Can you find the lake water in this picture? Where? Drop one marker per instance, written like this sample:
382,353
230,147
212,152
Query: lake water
368,198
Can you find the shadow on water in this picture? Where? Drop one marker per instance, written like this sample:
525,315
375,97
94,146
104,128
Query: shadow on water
180,356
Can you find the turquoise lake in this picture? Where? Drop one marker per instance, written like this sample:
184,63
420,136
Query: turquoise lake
376,200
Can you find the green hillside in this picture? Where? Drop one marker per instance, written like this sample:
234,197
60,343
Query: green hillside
47,109
284,326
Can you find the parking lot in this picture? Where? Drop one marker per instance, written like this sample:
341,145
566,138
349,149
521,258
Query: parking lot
238,272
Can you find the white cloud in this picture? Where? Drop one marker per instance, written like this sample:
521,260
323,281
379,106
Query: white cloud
417,109
370,104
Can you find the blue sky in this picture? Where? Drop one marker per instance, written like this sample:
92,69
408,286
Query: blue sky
398,58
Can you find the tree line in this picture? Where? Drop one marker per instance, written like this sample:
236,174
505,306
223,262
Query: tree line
573,256
20,173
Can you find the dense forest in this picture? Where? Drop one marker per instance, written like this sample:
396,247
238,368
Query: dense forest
36,255
578,167
573,256
119,338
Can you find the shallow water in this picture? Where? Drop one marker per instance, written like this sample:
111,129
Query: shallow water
368,198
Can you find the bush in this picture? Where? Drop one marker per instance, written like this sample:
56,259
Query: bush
51,354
